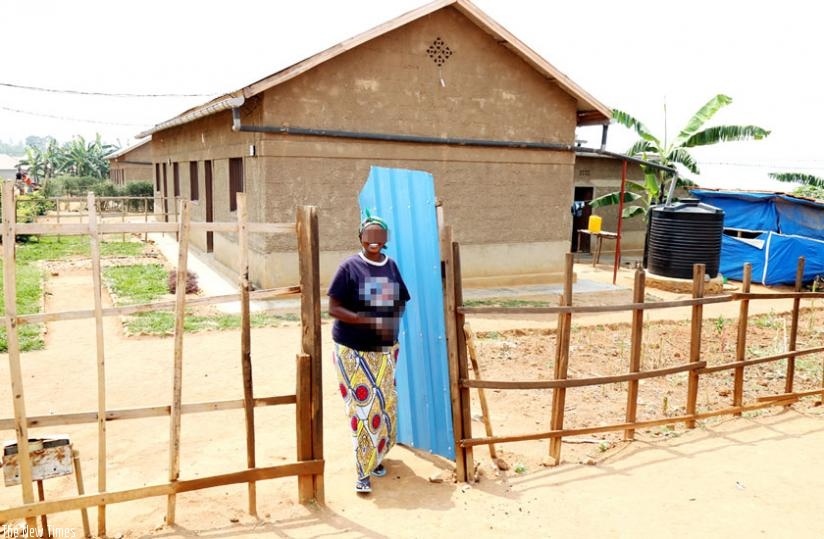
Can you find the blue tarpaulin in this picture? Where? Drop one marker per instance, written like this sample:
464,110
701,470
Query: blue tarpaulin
765,212
405,199
774,258
790,227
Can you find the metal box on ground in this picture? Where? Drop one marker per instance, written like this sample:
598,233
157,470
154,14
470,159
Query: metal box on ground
50,457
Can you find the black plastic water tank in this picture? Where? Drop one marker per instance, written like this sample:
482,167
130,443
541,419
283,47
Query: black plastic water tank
682,234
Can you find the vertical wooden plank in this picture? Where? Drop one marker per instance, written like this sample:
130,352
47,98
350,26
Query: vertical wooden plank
13,344
309,265
41,496
799,281
246,343
303,422
81,489
562,360
123,207
741,342
695,340
177,376
635,350
463,363
94,247
177,217
145,217
452,351
58,219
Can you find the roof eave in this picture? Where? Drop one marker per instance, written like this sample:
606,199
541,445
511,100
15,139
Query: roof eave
222,103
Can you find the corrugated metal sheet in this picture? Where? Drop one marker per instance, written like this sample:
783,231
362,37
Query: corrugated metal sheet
405,199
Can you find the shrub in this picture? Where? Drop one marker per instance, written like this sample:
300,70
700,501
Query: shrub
79,186
30,206
191,282
139,189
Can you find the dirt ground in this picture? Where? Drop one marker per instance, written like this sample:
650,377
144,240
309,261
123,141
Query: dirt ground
759,475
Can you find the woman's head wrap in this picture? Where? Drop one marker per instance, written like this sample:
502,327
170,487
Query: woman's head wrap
371,220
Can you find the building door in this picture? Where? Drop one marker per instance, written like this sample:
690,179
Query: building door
210,210
581,211
405,199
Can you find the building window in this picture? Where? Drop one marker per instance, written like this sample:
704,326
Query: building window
194,192
157,176
176,177
235,181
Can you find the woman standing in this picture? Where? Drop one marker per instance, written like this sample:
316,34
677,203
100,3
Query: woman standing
367,298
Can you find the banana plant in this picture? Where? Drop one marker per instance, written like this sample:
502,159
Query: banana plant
76,158
673,155
811,186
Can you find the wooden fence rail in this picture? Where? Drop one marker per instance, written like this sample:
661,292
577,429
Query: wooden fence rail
309,466
695,367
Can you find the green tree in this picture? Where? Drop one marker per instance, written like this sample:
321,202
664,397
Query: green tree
41,158
81,158
673,155
811,186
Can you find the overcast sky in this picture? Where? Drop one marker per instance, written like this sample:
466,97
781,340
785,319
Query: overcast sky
637,56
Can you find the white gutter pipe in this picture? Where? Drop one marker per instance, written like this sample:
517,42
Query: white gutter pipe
223,104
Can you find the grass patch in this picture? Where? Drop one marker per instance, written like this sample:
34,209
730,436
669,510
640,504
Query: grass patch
136,283
144,283
163,322
769,321
503,302
54,248
29,298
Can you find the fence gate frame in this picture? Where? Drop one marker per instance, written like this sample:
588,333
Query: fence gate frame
460,382
309,464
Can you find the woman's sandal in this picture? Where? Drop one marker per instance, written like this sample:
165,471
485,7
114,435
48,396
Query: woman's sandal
363,485
379,471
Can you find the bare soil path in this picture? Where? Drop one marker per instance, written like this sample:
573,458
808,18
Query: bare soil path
756,476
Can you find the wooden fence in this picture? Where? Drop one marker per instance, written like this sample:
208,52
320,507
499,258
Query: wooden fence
695,366
309,464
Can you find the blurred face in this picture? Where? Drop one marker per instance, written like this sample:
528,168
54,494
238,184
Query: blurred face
373,239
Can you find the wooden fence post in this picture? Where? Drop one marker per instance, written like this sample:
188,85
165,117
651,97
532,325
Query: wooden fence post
13,344
463,364
58,219
177,380
635,350
246,343
695,341
309,263
303,423
123,210
452,352
94,239
561,360
799,281
145,217
741,342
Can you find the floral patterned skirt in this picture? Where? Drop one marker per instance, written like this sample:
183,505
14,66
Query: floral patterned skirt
367,385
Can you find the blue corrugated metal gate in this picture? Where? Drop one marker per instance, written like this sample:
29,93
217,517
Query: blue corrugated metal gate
405,199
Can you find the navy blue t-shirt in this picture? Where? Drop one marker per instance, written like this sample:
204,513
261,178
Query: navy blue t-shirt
373,289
